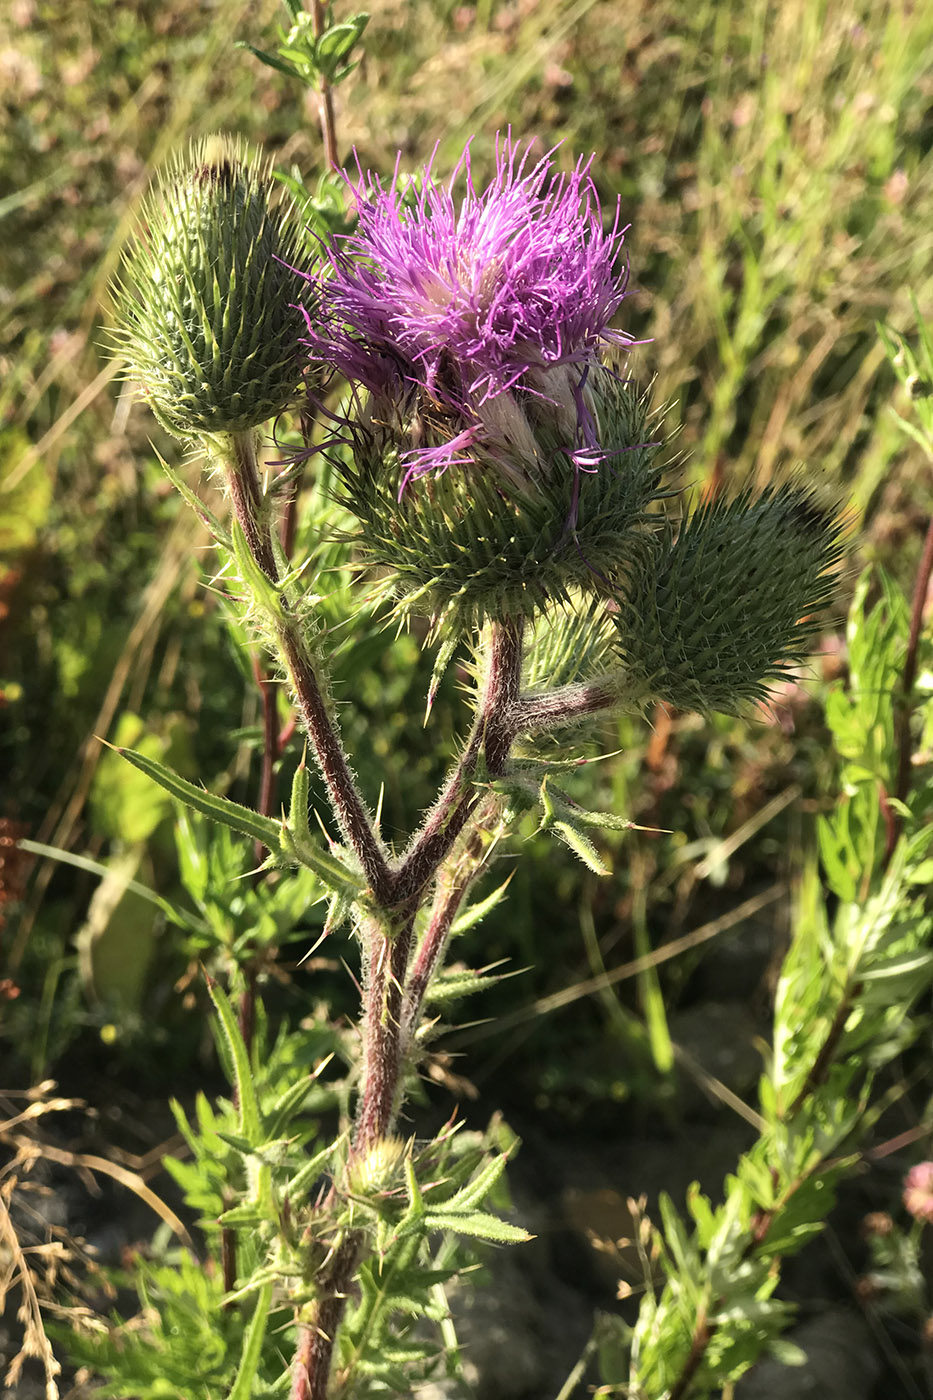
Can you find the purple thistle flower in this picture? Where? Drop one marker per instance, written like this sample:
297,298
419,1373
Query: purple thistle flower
479,300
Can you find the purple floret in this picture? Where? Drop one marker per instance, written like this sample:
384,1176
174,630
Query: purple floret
472,295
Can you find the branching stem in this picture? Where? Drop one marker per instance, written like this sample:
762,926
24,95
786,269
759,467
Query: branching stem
453,884
493,733
392,997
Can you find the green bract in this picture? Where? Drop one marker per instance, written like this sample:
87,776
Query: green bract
515,526
712,613
208,319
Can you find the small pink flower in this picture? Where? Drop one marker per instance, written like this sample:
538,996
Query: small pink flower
918,1192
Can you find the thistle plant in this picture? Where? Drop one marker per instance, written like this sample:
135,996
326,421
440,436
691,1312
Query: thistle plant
505,477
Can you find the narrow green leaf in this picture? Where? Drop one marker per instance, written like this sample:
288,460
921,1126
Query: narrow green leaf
476,1191
271,61
581,846
306,1176
441,662
298,807
250,1125
234,1140
472,916
204,512
219,809
478,1225
247,1213
263,591
252,1347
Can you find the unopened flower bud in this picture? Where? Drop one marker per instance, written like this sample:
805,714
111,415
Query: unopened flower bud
380,1171
712,613
208,297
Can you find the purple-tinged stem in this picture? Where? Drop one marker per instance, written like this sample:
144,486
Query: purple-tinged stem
500,697
387,943
452,886
325,96
493,731
537,713
314,1353
388,951
354,821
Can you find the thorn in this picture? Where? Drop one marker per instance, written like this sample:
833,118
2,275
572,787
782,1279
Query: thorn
313,949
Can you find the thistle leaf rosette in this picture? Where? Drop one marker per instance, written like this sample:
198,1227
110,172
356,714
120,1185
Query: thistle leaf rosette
497,462
714,612
208,317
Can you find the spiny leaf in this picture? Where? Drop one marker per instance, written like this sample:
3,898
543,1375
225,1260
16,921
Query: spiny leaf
250,1125
252,1347
219,809
478,1225
581,846
472,915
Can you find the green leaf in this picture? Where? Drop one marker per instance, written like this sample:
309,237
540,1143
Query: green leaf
454,984
220,534
271,61
476,912
180,917
477,1225
307,1175
581,846
264,592
219,809
246,1213
476,1191
252,1347
250,1125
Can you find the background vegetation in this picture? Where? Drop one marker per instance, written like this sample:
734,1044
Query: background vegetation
774,162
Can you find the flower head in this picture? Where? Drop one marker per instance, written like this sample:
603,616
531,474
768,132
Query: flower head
476,298
474,320
918,1192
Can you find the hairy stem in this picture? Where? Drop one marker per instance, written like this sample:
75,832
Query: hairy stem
453,885
493,733
325,96
388,1006
537,713
314,1353
348,806
388,950
917,610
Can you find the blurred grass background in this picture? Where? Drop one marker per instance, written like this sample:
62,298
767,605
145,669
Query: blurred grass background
774,162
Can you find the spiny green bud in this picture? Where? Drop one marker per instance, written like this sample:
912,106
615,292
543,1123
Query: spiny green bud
208,315
380,1171
522,520
712,614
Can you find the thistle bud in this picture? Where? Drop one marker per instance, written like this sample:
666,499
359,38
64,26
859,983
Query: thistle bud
380,1171
208,316
517,523
712,613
